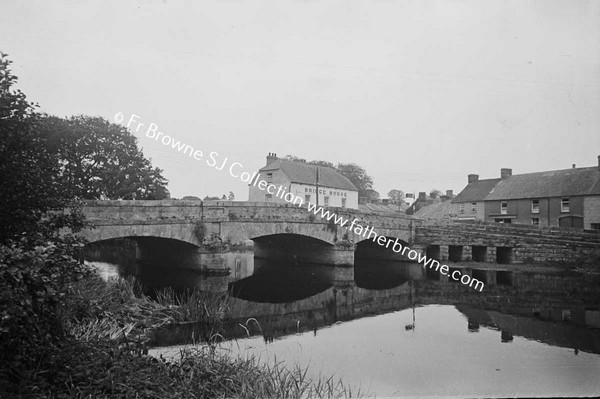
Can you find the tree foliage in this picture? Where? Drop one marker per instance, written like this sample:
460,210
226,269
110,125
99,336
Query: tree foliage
35,281
292,158
435,193
37,267
28,169
371,195
46,162
358,176
101,160
323,163
396,196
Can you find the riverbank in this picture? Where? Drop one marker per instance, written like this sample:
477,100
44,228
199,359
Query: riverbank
108,325
80,369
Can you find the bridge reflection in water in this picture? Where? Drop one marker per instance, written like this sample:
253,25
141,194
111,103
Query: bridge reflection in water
406,331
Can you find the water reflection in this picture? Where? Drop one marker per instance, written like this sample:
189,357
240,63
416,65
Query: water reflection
401,330
382,274
439,357
274,282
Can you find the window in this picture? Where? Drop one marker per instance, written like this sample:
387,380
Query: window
462,208
503,208
474,207
268,197
595,226
307,198
535,206
564,205
326,201
269,177
343,202
535,221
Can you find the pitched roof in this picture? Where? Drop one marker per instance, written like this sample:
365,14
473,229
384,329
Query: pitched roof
305,173
476,191
556,183
390,208
437,210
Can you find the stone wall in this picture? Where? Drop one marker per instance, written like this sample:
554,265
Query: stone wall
239,222
527,244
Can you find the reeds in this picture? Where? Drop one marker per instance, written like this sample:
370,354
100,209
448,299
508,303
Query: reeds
219,374
98,364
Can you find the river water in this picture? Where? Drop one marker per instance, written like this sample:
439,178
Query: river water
397,331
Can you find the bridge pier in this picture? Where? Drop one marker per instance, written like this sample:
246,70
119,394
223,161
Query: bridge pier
181,255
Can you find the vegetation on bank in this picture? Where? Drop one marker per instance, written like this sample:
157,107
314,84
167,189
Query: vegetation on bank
66,333
106,326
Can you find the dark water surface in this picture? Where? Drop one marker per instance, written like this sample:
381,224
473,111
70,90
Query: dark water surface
396,330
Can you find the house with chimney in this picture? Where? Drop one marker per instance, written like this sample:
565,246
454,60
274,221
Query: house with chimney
469,203
561,198
315,184
424,200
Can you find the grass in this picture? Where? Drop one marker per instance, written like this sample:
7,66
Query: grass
104,355
102,369
114,309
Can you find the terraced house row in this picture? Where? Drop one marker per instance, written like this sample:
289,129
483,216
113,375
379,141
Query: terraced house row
561,198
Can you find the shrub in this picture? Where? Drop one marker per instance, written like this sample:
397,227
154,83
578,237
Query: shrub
199,231
34,285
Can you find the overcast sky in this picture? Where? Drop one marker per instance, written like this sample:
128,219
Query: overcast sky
419,93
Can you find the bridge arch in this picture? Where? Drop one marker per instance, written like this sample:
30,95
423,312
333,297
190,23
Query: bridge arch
180,232
160,251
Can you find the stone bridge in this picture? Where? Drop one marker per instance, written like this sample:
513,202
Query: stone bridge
195,233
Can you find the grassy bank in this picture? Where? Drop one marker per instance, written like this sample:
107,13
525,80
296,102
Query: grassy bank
107,326
102,369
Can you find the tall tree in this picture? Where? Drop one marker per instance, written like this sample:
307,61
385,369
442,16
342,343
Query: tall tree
435,193
370,194
101,160
358,176
27,168
396,196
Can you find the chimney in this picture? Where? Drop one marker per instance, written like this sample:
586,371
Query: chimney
505,172
449,193
574,166
422,195
271,157
472,178
599,162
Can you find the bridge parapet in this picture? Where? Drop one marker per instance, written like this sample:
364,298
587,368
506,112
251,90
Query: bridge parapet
135,212
517,243
233,221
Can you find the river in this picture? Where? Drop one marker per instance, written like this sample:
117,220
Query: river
397,331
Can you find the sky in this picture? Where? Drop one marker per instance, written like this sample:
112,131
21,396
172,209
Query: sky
419,93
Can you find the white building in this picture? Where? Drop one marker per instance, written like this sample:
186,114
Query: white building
318,185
